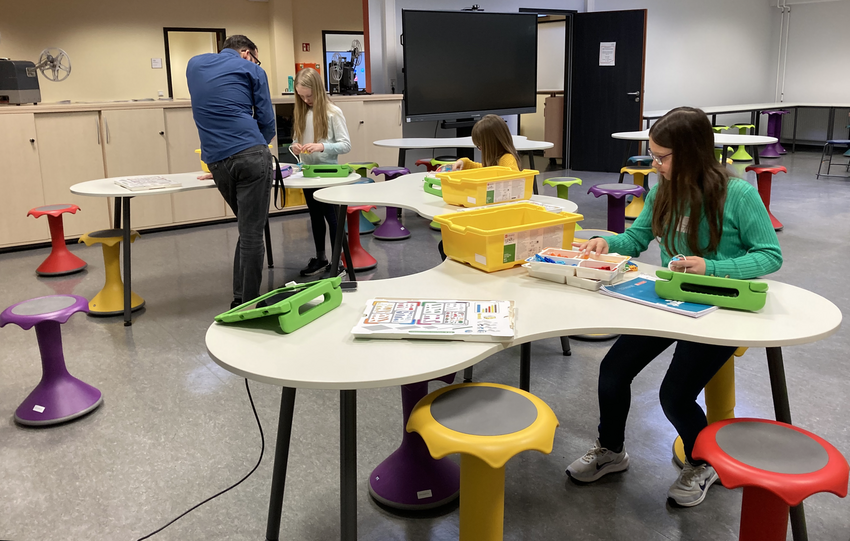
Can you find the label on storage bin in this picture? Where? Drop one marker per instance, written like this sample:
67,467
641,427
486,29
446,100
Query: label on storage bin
481,259
505,190
524,244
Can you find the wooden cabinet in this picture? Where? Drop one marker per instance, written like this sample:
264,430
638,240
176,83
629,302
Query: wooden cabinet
21,181
382,120
46,149
70,151
135,145
181,139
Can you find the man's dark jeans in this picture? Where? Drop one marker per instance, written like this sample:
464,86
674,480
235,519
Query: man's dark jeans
244,181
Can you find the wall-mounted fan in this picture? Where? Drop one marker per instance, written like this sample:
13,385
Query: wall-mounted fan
342,71
54,64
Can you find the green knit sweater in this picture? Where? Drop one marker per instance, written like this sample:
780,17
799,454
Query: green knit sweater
748,246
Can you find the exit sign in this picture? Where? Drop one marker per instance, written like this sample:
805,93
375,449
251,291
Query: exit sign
305,47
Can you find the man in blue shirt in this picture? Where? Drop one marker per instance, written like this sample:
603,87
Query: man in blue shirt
233,111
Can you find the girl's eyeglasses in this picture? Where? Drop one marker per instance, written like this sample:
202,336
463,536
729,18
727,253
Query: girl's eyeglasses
658,159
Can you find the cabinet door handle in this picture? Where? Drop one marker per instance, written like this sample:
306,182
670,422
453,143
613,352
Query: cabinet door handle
106,121
32,140
162,133
97,130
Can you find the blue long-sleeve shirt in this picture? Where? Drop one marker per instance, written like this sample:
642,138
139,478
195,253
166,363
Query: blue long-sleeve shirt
231,104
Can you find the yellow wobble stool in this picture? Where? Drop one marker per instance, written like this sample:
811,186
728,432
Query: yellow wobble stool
719,400
110,300
487,424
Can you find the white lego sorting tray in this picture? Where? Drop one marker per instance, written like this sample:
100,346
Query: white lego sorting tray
577,268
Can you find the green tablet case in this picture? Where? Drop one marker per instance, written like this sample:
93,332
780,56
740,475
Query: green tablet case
722,292
326,170
291,312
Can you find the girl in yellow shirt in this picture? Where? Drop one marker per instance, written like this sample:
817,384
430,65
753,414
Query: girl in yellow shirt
493,139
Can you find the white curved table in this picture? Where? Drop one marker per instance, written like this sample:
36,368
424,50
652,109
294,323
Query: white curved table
259,351
722,139
406,192
521,142
106,187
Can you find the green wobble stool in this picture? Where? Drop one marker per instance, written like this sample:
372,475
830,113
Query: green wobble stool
562,184
741,154
718,152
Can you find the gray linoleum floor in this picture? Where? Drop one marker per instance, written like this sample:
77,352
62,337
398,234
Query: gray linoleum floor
175,428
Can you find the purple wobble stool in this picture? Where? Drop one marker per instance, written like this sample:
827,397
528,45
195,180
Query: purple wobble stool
616,202
391,228
59,396
774,129
410,479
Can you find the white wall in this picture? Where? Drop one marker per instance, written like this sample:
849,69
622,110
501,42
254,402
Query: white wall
817,70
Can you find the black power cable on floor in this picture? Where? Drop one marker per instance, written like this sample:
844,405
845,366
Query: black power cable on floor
257,465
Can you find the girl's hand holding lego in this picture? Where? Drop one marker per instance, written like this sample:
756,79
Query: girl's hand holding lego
457,166
598,245
690,264
309,148
296,148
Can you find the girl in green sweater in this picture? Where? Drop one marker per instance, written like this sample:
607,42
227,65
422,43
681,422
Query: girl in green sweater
705,223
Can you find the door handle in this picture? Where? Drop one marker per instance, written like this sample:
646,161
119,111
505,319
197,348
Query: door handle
635,94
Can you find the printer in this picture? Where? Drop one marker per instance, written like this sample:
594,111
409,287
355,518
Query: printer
18,82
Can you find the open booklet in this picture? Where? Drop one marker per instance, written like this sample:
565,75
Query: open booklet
437,319
642,290
137,184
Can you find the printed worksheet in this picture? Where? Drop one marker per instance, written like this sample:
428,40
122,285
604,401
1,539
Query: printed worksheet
437,319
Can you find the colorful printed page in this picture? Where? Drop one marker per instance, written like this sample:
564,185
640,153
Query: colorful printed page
642,290
437,319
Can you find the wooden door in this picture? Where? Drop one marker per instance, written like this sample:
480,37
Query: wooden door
181,139
606,86
135,145
70,152
20,177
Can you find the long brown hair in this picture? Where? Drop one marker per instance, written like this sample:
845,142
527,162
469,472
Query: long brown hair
697,184
491,135
310,78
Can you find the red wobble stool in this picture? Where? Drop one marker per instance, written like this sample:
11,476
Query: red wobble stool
60,261
361,259
778,465
764,174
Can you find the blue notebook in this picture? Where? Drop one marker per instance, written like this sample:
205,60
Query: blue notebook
642,290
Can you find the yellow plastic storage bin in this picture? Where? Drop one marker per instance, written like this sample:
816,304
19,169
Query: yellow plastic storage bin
486,185
498,238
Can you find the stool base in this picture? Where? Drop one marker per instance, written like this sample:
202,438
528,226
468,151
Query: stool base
391,229
395,481
59,400
60,263
434,225
111,303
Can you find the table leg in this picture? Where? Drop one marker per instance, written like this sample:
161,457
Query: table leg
531,165
348,464
794,135
116,212
402,155
723,154
125,204
782,409
525,367
341,245
754,152
281,458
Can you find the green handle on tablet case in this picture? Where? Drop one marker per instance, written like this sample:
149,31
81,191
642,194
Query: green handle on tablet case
430,182
292,312
722,292
326,170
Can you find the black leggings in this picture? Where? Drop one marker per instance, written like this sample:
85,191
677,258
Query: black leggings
319,212
692,367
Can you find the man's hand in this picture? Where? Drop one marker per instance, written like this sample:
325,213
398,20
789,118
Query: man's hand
205,176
